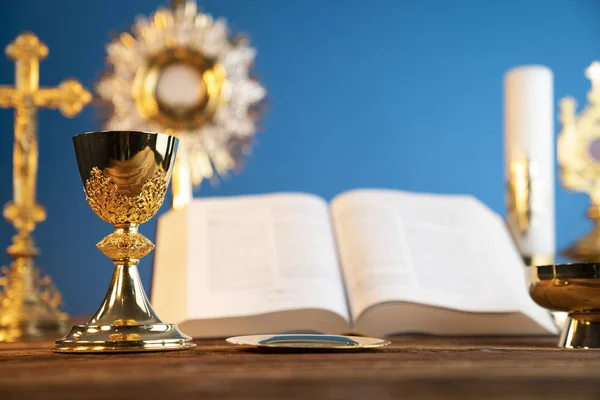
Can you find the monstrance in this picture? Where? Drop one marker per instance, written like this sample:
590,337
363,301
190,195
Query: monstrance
579,160
181,72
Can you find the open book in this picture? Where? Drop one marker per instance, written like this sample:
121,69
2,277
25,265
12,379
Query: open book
373,262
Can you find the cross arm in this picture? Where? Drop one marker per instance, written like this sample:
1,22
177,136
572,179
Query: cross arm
69,97
8,96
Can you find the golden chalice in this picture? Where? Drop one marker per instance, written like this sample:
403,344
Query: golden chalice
575,289
125,176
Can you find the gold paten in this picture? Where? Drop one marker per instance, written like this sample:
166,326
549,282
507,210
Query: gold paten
217,122
309,341
125,177
571,288
579,160
29,301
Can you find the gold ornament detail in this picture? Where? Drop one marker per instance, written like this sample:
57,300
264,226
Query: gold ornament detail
103,196
125,245
29,303
579,161
44,294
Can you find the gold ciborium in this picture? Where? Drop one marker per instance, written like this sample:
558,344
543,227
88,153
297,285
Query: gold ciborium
571,288
125,176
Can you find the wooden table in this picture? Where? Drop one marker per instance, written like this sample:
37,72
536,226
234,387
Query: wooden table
413,367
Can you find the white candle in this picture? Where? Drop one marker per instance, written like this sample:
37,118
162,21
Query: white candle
529,137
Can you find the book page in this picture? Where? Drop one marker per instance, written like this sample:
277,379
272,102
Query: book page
262,254
439,250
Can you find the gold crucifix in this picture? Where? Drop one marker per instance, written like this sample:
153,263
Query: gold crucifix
29,302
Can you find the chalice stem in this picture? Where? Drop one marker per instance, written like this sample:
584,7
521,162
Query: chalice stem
125,320
125,295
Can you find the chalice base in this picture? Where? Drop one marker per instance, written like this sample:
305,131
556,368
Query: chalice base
578,334
111,338
125,322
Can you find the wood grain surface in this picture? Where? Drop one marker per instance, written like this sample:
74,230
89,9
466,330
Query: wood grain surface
414,367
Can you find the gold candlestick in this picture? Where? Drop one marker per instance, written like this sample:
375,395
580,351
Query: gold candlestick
29,302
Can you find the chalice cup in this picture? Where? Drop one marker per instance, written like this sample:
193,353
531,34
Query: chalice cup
125,176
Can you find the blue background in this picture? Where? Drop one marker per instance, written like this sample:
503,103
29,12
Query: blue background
380,93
